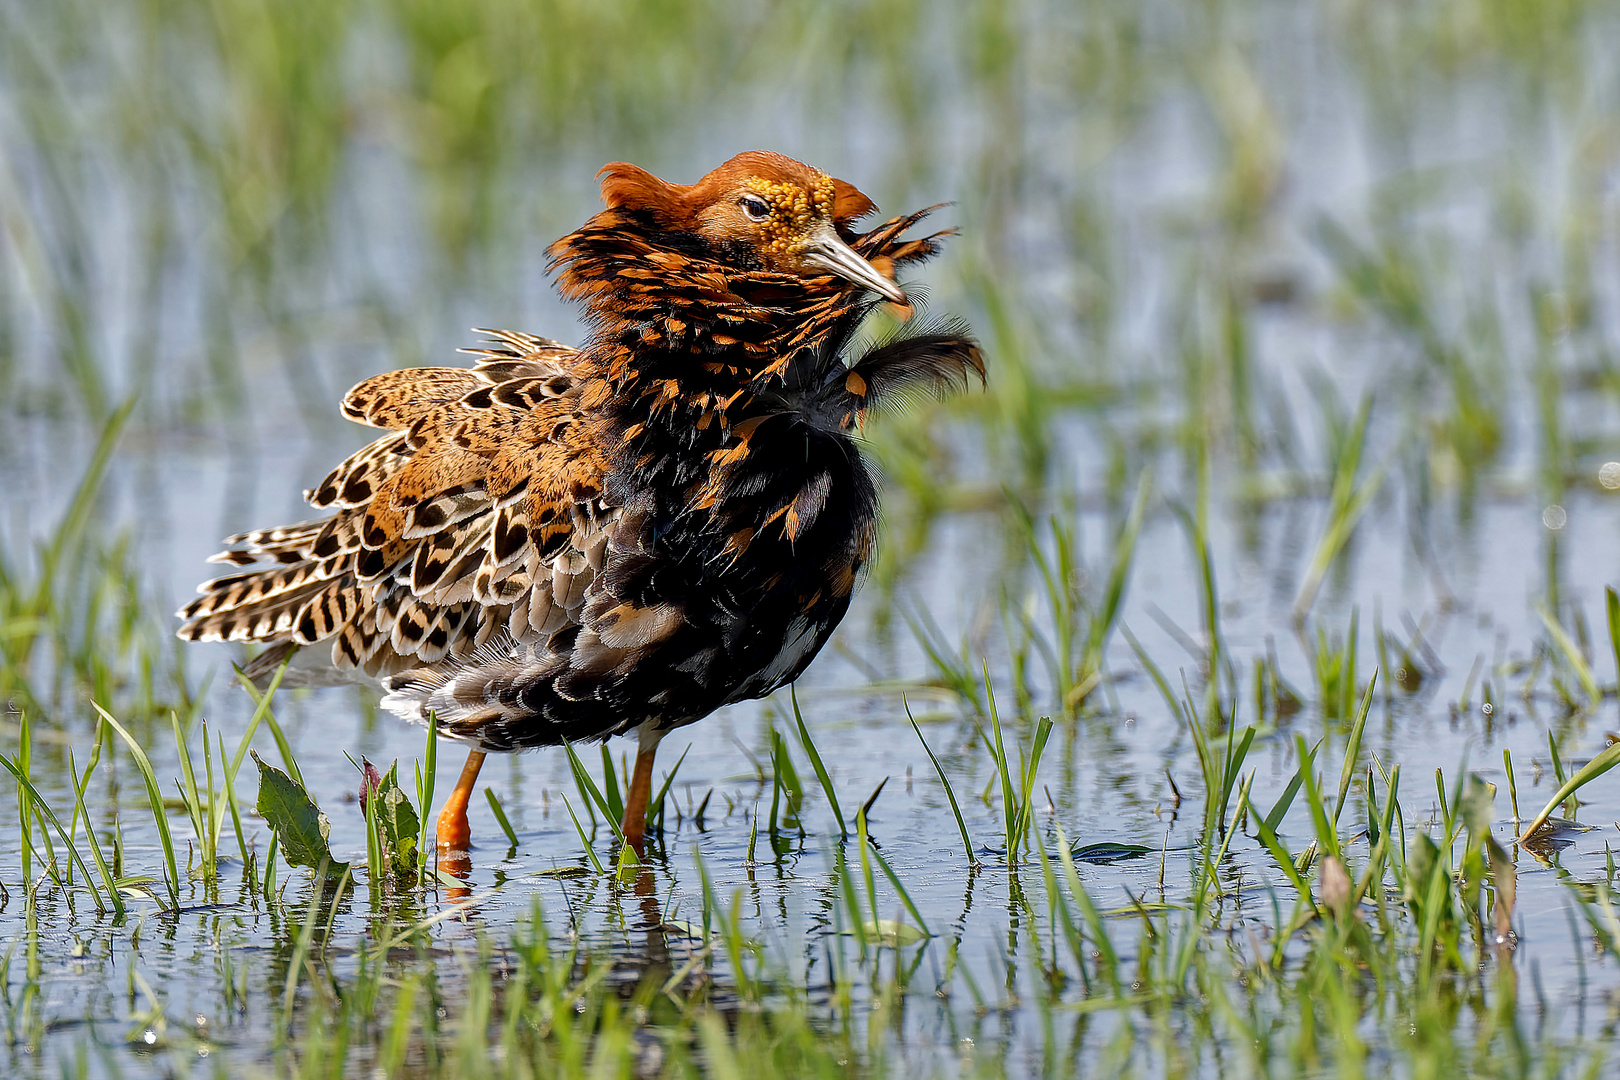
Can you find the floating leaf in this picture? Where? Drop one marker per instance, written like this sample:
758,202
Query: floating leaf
1142,907
683,928
298,824
893,933
890,932
576,870
137,887
1108,852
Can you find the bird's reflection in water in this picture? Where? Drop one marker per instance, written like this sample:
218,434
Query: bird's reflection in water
641,956
457,864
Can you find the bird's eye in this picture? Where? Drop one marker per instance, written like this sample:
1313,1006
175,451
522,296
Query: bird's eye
756,208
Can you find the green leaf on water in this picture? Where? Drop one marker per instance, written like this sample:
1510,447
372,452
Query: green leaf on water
683,928
891,932
298,824
1108,852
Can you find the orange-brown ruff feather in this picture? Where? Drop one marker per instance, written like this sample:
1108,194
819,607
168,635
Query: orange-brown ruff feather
567,543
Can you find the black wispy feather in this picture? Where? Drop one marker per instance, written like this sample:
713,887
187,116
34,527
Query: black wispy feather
934,362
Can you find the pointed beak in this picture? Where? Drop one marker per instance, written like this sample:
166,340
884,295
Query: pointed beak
825,251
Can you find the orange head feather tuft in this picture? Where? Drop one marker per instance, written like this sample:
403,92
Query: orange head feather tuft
630,187
762,209
849,204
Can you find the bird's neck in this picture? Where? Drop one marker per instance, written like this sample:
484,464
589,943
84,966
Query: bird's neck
686,347
646,292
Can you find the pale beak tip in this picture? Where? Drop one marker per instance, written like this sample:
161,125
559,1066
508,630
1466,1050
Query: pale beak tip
827,252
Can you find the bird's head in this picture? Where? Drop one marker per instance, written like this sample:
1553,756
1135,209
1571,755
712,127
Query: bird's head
758,211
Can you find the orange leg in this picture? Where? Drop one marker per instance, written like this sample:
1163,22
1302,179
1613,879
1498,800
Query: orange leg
635,804
454,832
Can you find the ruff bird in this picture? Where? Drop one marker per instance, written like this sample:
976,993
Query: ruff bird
565,543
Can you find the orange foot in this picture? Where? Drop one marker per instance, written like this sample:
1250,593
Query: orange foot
456,834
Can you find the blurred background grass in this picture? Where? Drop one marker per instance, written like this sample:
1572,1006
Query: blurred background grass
1195,235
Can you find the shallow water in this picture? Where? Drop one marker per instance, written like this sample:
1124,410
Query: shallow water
1123,215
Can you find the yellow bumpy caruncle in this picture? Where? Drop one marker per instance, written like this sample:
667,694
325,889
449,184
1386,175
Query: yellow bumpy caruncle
793,209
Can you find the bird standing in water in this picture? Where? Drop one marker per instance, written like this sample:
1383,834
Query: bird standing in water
563,544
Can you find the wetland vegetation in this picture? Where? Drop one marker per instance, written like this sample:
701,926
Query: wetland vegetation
1232,696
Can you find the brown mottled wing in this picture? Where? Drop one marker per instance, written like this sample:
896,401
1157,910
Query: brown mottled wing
475,524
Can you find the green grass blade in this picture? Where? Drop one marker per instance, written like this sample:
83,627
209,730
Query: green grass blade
864,842
1572,656
1347,502
1118,575
610,787
1153,672
269,717
268,881
154,798
1612,609
1279,854
261,706
956,811
189,794
592,792
1352,749
500,816
1557,761
376,861
905,897
1513,784
656,807
44,811
1327,836
1009,794
814,755
1108,960
426,777
1043,733
1279,809
785,777
230,803
114,898
590,852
